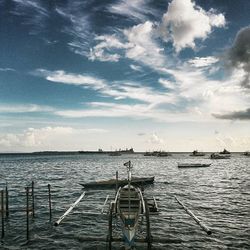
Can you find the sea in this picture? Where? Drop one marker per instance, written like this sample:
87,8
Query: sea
218,195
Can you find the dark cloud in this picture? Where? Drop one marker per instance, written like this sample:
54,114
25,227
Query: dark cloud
237,115
239,54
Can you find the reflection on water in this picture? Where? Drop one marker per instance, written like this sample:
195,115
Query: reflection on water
218,195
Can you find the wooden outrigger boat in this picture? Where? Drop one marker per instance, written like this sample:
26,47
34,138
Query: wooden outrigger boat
139,181
129,204
193,165
129,207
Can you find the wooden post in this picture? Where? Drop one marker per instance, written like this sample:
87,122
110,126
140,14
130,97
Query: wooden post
2,213
33,199
116,181
27,213
149,237
50,213
110,225
7,201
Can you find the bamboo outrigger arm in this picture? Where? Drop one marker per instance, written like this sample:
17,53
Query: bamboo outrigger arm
69,210
203,227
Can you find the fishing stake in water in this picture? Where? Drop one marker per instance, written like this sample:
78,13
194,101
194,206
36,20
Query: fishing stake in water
69,210
203,227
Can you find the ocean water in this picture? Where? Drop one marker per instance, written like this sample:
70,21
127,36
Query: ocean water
218,195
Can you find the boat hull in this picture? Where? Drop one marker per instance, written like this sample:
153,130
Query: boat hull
112,183
194,165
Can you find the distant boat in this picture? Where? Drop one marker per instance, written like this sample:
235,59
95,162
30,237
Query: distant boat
193,165
148,154
225,152
127,151
163,154
247,153
140,181
115,153
219,156
197,153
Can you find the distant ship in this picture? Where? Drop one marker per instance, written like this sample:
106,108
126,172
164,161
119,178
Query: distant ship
225,152
247,153
126,151
197,153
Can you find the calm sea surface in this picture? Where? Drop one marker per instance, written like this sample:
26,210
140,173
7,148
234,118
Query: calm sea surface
218,195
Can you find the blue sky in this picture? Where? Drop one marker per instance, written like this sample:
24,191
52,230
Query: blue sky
154,75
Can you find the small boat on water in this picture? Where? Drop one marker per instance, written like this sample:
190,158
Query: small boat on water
164,154
197,153
129,205
225,152
148,154
247,153
219,156
193,165
139,181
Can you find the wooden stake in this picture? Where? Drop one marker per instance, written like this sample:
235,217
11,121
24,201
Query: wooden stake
2,214
27,213
110,225
33,199
149,237
7,202
116,182
50,212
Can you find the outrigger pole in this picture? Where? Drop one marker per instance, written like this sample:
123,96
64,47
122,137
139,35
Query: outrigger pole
203,227
69,210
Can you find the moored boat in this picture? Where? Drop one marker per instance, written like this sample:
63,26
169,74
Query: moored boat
197,153
130,204
219,156
164,154
148,154
247,153
140,181
225,152
193,165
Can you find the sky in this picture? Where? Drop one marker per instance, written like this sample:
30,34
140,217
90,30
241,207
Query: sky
169,75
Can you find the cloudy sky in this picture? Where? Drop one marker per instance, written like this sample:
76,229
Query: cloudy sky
171,75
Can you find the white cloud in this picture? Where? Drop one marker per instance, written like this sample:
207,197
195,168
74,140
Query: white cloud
135,67
137,43
204,96
166,83
184,22
6,69
24,108
135,9
200,62
61,76
155,139
102,50
34,12
117,90
143,46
